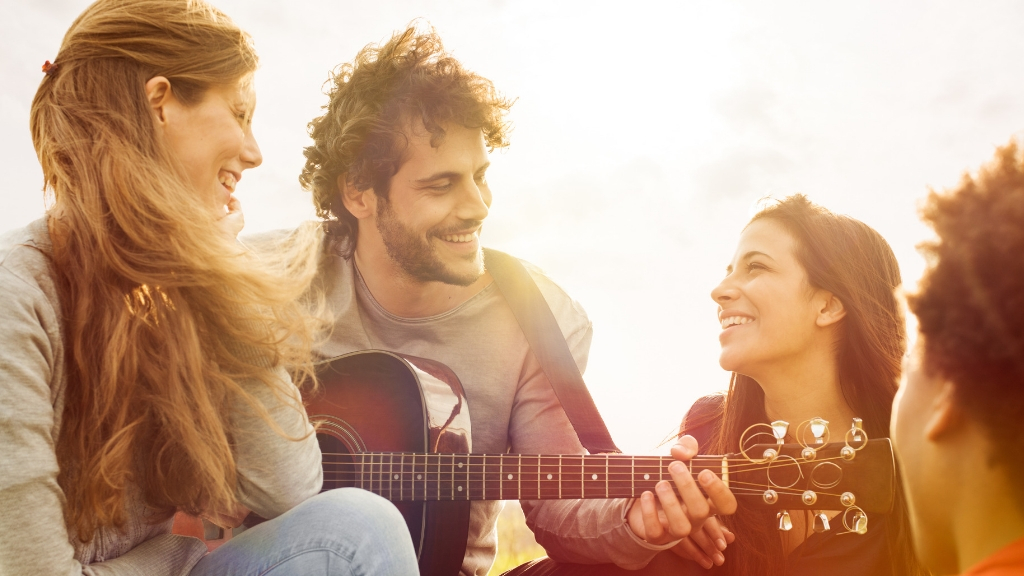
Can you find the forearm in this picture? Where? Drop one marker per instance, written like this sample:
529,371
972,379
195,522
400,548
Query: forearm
164,555
277,469
588,532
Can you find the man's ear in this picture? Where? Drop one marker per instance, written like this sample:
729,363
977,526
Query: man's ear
360,203
944,414
158,94
831,311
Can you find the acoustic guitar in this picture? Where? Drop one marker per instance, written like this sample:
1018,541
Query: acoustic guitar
399,426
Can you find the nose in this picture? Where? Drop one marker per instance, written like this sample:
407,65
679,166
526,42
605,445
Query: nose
725,292
251,156
476,202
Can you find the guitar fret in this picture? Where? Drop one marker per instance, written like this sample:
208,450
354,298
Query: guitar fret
501,479
559,477
519,479
538,476
606,457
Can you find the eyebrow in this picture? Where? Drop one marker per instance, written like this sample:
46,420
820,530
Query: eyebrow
448,174
747,256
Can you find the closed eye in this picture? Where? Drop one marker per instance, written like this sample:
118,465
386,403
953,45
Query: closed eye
440,187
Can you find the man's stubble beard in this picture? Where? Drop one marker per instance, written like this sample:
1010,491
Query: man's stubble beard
415,256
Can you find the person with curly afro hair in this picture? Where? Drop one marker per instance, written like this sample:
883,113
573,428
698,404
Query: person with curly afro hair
958,420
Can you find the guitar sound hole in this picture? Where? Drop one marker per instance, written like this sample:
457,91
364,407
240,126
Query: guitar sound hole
339,468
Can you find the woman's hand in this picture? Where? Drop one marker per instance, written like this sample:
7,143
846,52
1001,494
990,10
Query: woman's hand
228,519
232,222
705,546
668,517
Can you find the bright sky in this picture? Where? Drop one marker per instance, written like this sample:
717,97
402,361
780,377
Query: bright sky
643,138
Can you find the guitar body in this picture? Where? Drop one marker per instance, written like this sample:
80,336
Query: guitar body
373,401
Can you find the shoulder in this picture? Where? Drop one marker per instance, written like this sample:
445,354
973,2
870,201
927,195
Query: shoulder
26,276
570,314
272,241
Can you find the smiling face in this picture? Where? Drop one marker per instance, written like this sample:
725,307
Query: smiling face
213,140
430,223
767,308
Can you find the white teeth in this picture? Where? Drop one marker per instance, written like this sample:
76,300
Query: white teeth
458,237
228,180
734,320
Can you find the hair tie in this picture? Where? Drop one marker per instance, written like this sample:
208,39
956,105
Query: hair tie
49,68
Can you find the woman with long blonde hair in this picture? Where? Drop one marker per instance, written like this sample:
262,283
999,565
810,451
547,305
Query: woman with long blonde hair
143,352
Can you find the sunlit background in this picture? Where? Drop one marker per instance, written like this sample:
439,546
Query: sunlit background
644,135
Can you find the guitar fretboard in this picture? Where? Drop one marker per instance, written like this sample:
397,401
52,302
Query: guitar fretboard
407,476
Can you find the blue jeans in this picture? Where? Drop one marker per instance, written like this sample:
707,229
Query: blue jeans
343,532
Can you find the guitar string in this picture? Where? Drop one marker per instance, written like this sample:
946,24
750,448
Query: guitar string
622,472
737,465
554,494
618,486
621,462
450,476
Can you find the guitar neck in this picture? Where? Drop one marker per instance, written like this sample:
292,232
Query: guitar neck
419,477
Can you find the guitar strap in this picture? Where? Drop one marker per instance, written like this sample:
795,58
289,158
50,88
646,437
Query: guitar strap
548,345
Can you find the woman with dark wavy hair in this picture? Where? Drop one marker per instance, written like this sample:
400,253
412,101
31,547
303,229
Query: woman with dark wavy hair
810,328
143,353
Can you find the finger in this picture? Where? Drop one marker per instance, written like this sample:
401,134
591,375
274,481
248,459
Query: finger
721,497
729,536
685,448
715,533
687,549
697,508
678,523
653,530
701,539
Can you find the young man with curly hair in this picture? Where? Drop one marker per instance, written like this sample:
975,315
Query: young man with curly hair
958,420
398,169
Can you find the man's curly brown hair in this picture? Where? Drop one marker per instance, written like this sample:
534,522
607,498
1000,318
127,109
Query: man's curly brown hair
970,306
374,102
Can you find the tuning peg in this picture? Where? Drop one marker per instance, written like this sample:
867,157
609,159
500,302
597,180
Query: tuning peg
821,523
860,523
779,430
818,428
857,429
785,522
771,496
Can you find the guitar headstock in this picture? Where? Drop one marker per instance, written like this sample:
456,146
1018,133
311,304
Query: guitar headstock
827,482
818,472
